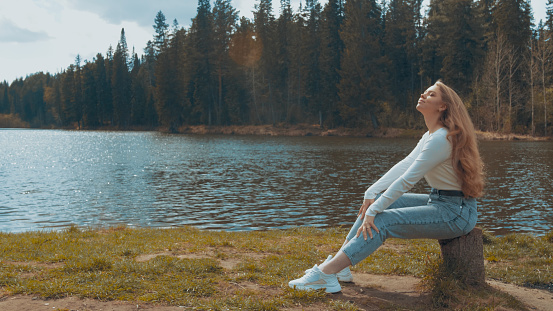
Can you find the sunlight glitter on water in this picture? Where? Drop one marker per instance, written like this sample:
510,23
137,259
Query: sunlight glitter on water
53,178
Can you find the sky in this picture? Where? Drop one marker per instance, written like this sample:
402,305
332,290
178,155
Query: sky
47,35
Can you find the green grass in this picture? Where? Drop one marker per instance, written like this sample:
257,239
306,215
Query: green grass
239,270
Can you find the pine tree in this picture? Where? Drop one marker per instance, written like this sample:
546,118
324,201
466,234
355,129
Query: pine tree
245,51
32,106
171,82
161,28
284,26
52,98
121,84
461,45
4,100
431,58
139,92
200,47
362,83
90,96
67,114
264,32
329,60
225,18
401,44
78,93
150,62
103,90
311,53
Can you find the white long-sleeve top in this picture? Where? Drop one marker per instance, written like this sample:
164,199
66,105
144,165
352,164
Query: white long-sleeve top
430,159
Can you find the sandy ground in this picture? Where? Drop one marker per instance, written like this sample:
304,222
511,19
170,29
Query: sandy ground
368,291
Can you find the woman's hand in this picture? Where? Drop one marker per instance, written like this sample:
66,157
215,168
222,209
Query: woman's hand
368,221
364,207
365,228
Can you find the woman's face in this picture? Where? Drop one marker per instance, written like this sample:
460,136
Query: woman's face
431,101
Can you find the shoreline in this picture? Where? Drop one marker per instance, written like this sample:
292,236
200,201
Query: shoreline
315,130
296,130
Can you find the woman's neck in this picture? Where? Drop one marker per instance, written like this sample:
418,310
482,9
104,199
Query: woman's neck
433,123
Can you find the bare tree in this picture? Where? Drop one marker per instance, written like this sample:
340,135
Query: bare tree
494,77
532,70
543,57
512,65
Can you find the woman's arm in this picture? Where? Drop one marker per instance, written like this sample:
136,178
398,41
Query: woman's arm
395,172
436,150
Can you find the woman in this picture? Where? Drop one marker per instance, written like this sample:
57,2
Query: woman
447,156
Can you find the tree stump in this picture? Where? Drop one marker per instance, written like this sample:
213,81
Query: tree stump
464,257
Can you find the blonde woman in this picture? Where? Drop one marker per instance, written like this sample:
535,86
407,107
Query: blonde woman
447,156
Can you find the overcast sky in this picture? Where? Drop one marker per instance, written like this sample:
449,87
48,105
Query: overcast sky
47,35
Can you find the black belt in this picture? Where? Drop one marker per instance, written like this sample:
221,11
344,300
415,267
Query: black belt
451,193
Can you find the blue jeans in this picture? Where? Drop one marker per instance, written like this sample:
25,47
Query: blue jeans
414,216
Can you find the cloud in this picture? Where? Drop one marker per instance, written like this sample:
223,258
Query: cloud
10,32
143,12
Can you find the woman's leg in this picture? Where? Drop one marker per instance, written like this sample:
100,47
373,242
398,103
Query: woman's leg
441,217
406,200
341,260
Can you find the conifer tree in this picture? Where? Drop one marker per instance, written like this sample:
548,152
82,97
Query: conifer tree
139,92
4,100
67,114
108,104
103,90
264,32
200,47
461,44
121,84
362,83
431,36
78,93
161,29
225,18
245,51
171,83
52,99
284,26
329,60
401,43
90,99
311,53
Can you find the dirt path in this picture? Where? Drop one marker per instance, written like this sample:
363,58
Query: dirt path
370,292
535,299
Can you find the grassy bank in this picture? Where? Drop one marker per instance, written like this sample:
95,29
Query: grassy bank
240,270
316,130
12,121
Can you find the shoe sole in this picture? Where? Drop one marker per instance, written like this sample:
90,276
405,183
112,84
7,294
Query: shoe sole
330,290
347,279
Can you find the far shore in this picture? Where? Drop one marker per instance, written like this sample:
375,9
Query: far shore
316,130
13,121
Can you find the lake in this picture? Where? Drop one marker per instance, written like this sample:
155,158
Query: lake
51,179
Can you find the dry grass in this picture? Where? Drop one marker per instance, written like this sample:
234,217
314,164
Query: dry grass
239,270
501,136
12,121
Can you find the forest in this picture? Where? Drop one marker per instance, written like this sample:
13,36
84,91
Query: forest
347,63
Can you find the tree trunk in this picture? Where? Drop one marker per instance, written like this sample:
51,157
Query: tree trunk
464,256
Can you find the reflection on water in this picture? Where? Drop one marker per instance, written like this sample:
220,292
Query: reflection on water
53,178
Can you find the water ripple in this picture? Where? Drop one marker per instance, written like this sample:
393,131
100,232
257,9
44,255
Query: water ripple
52,179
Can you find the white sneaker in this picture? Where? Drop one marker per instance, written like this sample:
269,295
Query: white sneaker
316,279
343,276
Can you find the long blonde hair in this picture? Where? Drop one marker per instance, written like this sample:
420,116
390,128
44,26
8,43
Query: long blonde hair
464,153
